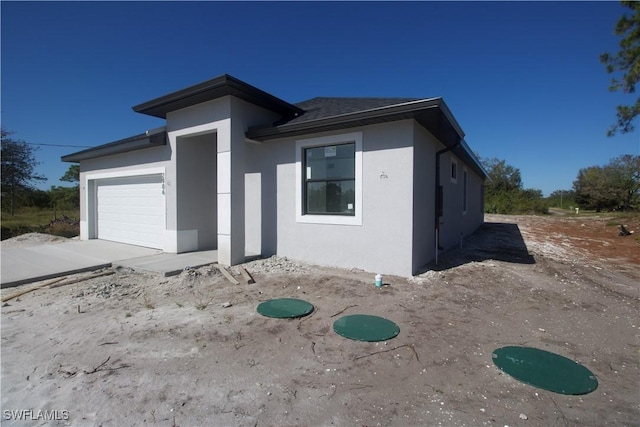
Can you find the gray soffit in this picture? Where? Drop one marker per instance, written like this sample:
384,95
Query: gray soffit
137,142
216,88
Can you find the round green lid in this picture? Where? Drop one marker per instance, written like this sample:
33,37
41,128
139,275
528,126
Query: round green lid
363,327
284,308
545,370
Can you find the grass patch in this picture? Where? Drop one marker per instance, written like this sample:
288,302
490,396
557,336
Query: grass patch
34,220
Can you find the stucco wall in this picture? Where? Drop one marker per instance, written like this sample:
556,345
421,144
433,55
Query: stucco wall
425,147
206,118
196,159
243,197
383,242
229,118
245,209
455,224
263,161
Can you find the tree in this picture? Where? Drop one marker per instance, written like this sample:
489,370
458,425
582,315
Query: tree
72,174
592,190
627,62
562,198
64,198
502,177
613,186
504,193
626,171
68,197
18,168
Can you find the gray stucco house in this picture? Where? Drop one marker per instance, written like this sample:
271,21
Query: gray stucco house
373,183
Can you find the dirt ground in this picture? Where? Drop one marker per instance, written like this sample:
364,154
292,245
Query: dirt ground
135,349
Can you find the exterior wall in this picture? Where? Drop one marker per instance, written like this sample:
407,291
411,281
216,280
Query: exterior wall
244,197
245,210
424,160
455,224
148,161
229,118
202,120
263,163
383,241
196,176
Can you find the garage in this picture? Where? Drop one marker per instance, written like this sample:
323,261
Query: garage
131,210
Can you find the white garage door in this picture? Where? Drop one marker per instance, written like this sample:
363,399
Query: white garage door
131,210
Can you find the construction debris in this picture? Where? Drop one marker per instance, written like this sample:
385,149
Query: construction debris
277,265
624,231
26,291
226,274
247,276
82,279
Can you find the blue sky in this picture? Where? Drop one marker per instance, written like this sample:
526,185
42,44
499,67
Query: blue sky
523,79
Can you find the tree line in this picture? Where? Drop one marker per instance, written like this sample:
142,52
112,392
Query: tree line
19,178
613,186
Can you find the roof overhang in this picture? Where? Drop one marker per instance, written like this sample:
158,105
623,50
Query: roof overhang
149,139
390,113
213,89
432,114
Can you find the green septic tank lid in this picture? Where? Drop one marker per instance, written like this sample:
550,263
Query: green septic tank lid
545,370
285,308
362,327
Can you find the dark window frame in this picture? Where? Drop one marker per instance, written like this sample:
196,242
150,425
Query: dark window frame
453,174
306,181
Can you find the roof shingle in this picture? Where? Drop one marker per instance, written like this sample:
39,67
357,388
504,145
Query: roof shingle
323,107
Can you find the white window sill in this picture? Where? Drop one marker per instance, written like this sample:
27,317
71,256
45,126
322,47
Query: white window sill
329,219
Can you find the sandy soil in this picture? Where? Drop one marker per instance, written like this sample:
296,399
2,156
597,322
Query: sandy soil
30,239
136,349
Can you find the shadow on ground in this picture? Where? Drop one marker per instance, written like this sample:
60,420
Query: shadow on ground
493,240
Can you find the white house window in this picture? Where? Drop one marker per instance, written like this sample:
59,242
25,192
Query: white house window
330,182
329,179
454,171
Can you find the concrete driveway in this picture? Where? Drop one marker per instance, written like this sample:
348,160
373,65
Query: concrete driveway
41,262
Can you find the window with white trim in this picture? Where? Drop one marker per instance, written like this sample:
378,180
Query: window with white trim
329,179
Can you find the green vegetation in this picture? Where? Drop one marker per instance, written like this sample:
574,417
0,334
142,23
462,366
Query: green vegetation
627,63
38,220
614,186
26,209
504,193
18,170
563,199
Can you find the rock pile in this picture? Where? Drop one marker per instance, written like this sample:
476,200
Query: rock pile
274,264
